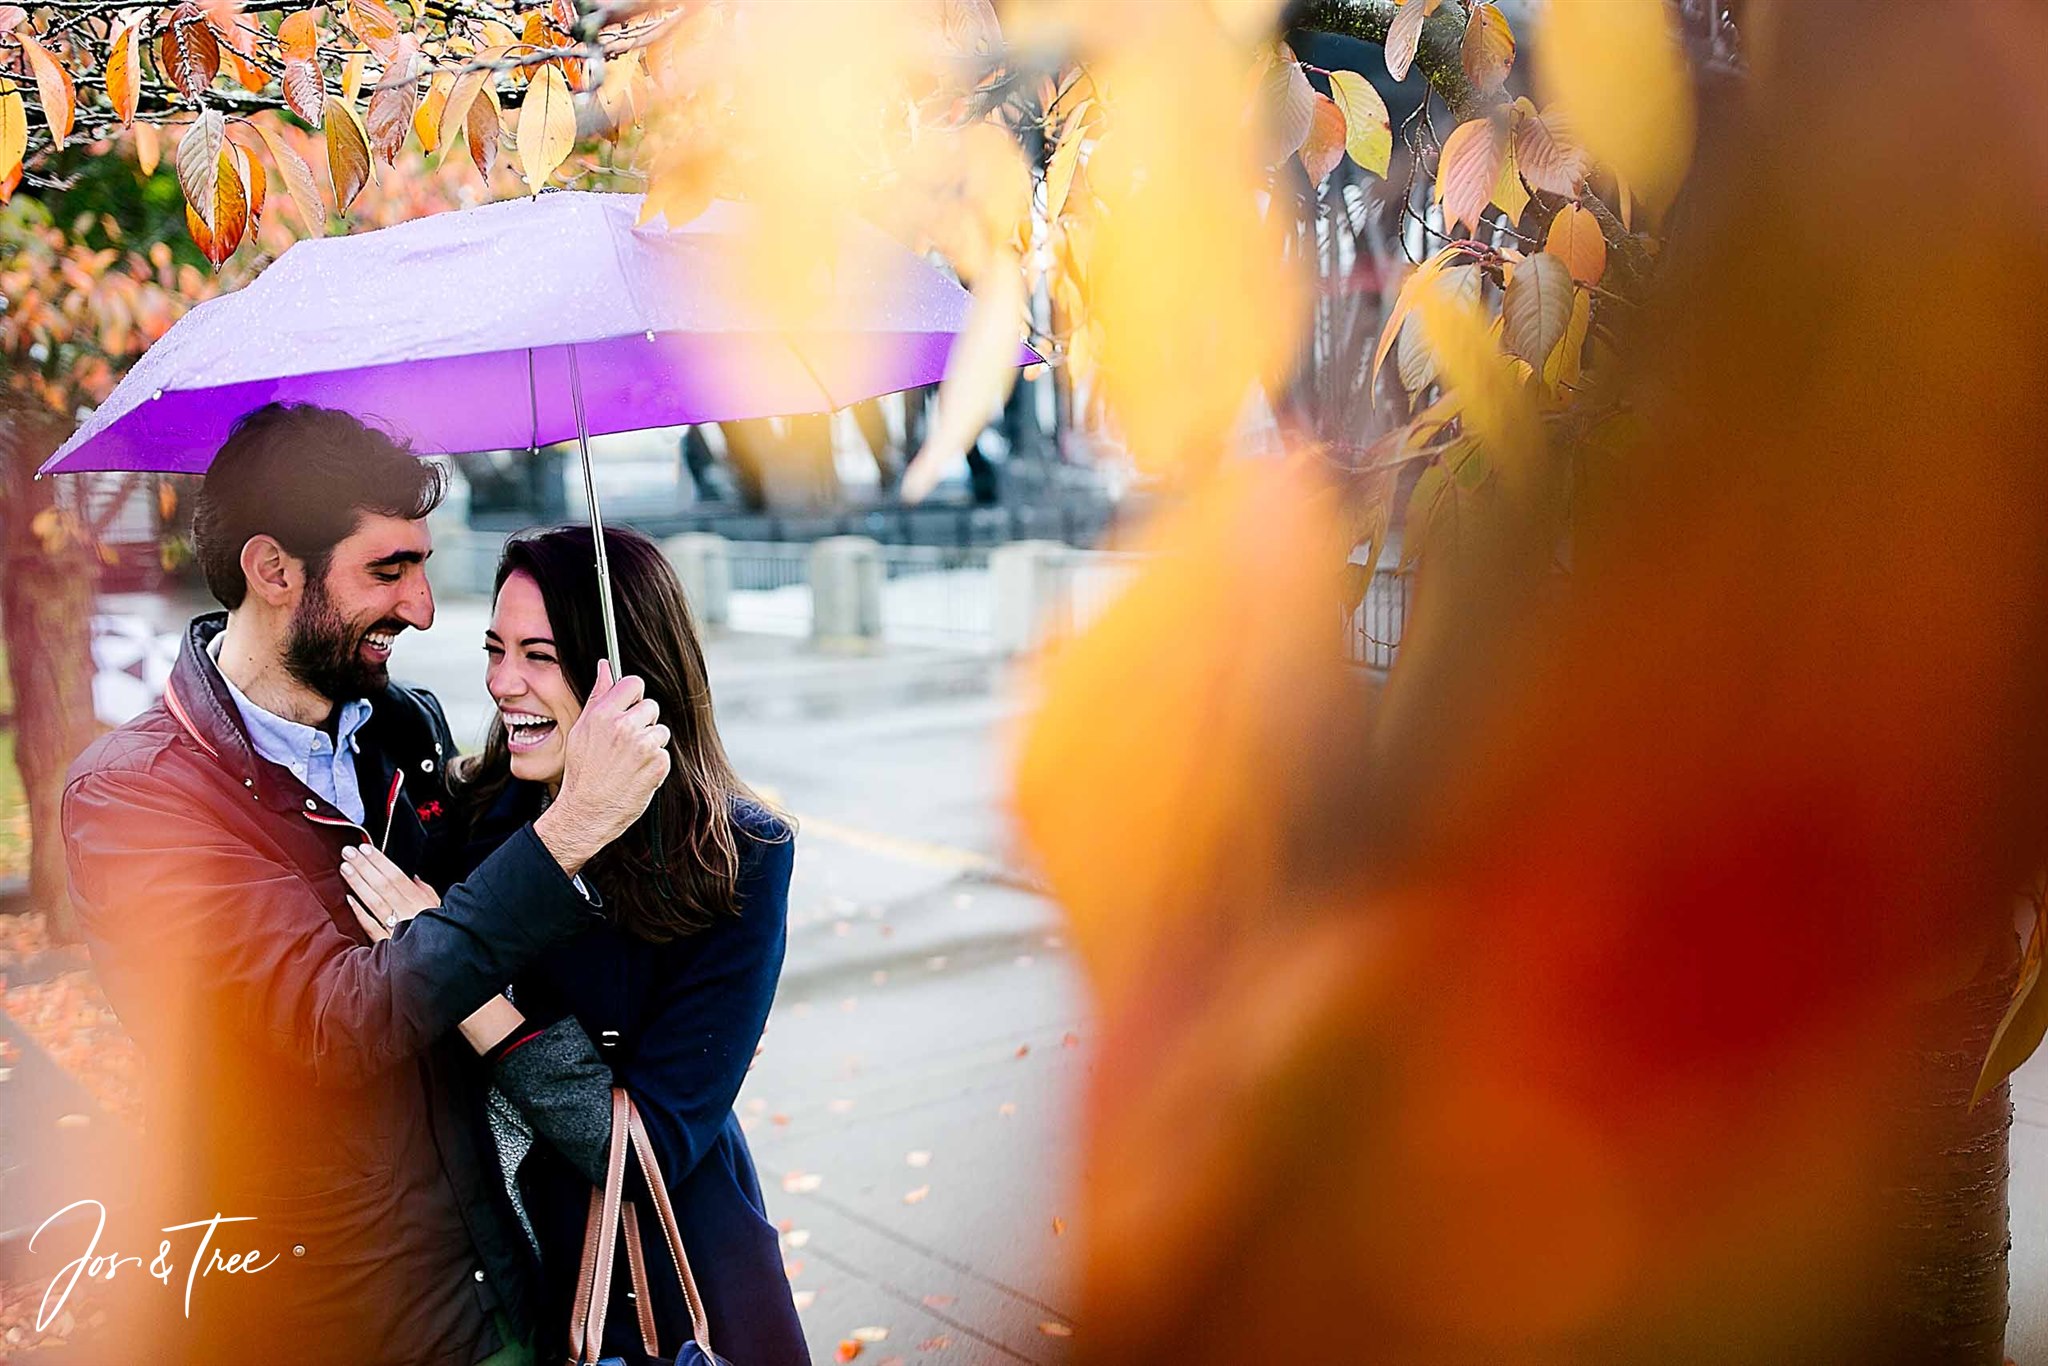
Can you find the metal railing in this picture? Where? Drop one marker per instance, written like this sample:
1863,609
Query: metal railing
1373,635
937,595
771,587
944,596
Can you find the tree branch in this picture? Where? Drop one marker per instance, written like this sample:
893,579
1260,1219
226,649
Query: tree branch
1439,56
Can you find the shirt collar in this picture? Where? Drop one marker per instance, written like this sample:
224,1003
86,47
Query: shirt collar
283,741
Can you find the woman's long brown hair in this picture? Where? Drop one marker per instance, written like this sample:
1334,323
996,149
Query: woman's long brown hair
686,882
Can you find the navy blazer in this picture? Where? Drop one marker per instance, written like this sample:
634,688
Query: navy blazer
676,1024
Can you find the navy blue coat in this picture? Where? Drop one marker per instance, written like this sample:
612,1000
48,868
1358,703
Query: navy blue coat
677,1025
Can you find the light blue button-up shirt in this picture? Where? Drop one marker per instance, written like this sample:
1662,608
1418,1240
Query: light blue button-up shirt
326,767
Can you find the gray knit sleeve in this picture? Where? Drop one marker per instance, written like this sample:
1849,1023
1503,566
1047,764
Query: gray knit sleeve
564,1090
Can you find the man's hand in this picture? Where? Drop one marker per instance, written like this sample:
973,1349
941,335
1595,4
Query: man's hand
617,761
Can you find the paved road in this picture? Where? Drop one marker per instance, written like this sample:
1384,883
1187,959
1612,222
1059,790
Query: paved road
913,1108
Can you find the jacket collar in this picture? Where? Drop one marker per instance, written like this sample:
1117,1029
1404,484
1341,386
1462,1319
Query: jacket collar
198,699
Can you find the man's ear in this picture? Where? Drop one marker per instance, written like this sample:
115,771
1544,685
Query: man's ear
275,576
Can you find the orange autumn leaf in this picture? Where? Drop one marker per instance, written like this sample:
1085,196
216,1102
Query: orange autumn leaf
53,85
187,51
348,153
1324,146
1575,239
124,72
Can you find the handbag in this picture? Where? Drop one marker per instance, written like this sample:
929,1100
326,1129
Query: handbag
610,1211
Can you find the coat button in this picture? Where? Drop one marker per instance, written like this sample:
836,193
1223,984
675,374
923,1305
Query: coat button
426,765
248,782
298,1249
312,805
479,1273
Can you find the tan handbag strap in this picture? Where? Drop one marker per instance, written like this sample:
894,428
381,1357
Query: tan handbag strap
593,1228
650,1168
594,1288
608,1210
636,1267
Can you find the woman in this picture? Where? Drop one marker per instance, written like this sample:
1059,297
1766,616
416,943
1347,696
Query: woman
675,985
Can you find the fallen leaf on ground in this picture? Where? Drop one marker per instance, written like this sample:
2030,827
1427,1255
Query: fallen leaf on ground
803,1298
802,1181
848,1349
1059,1226
839,1107
870,1334
912,1197
798,1237
1023,1049
1070,1040
1055,1330
920,1158
791,1270
937,1301
937,1344
1006,1109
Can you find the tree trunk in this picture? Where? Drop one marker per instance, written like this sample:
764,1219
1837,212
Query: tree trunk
46,603
1949,1210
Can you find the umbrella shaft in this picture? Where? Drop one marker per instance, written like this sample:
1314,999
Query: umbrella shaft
604,565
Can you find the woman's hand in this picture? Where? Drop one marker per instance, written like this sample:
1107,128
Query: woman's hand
382,895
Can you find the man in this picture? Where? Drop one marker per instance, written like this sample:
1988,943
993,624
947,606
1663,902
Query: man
301,1079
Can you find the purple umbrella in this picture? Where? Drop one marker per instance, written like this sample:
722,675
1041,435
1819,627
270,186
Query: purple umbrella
523,323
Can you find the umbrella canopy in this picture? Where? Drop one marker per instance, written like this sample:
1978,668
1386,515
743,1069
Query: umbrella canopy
455,332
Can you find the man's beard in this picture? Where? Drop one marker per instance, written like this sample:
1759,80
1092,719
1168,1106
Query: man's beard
323,652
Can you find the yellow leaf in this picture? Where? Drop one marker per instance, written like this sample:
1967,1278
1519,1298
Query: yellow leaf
13,128
1563,367
1404,302
1575,239
351,79
1495,406
149,148
623,91
979,374
1508,191
1368,133
2025,1021
348,153
426,120
455,117
1059,169
1616,69
250,166
547,127
53,86
1469,171
1489,50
